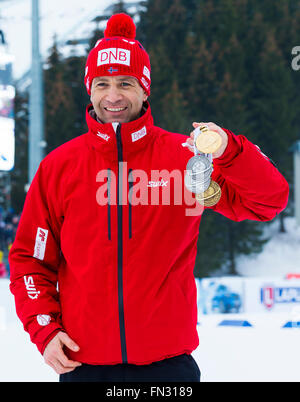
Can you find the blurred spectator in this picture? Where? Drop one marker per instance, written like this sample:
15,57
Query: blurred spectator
3,272
2,234
9,221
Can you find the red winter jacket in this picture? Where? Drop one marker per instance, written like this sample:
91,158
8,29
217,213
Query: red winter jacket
117,276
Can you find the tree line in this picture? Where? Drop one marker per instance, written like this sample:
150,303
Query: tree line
225,61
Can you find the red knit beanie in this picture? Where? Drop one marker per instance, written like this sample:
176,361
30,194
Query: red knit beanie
118,53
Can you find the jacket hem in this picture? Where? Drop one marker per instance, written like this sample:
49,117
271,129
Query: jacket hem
136,362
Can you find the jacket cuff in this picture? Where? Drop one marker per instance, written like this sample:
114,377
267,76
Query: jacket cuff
232,150
49,338
44,335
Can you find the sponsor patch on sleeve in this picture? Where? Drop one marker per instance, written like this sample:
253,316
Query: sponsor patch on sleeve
40,244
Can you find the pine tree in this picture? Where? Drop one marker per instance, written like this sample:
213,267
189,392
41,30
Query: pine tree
73,77
58,102
174,110
64,98
202,82
162,73
119,7
273,102
211,252
220,90
19,175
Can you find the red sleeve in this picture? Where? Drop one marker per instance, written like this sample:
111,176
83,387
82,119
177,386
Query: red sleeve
252,187
34,260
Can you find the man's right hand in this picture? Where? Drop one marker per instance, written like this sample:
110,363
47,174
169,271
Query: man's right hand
55,357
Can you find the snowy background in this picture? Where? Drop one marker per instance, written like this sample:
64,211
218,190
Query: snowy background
281,255
263,352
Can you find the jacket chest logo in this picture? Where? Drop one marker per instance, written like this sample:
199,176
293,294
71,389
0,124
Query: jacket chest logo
103,136
139,134
161,183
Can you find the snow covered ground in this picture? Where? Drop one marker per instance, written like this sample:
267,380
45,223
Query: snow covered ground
263,352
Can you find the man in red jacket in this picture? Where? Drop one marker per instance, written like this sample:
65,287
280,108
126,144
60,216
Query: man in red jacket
96,223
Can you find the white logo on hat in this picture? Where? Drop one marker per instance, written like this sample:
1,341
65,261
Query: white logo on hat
131,43
88,83
145,83
97,43
146,72
114,56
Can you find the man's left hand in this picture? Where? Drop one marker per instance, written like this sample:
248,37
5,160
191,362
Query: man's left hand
213,127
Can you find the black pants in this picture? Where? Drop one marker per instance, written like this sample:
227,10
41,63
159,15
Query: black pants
181,368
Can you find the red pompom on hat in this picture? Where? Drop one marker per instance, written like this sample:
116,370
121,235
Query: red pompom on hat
119,53
120,25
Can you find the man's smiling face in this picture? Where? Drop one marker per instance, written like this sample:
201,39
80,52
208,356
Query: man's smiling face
117,99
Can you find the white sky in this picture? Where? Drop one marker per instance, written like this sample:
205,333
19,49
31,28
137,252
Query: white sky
61,17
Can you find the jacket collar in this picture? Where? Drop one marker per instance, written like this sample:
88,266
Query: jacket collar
134,135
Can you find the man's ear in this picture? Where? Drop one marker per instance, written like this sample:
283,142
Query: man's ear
145,96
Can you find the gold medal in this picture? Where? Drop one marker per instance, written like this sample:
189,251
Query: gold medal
199,168
211,196
208,141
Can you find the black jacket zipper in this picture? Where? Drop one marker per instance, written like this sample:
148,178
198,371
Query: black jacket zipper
130,185
109,203
120,246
